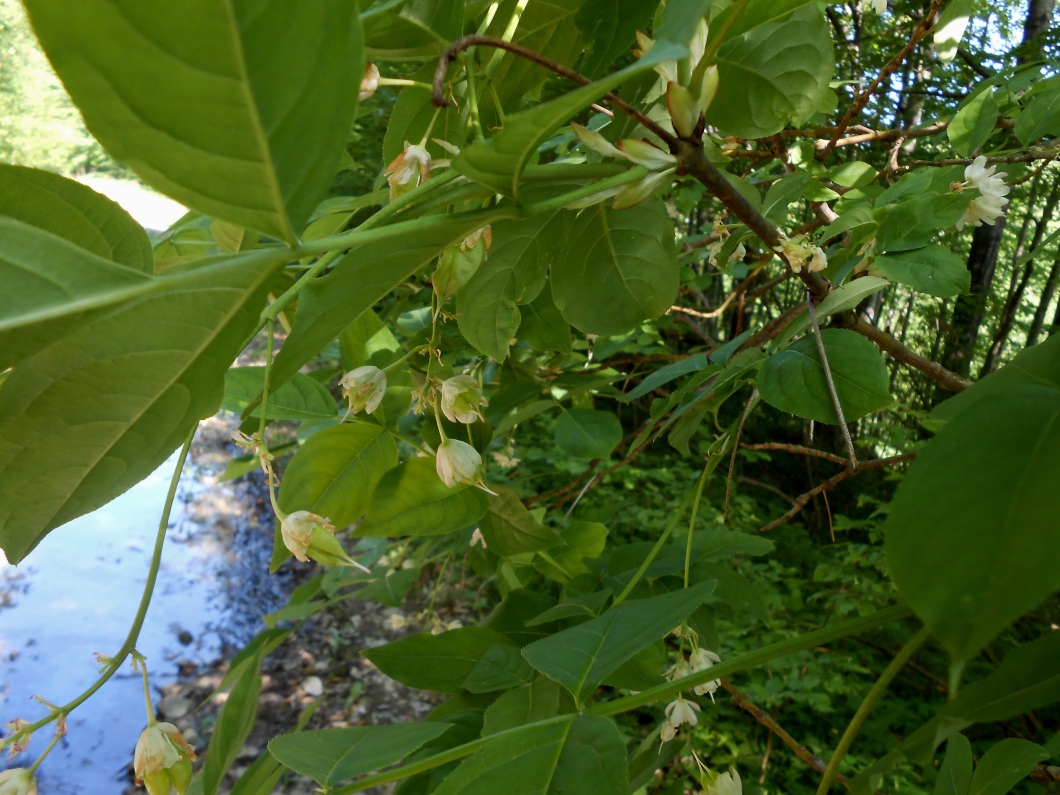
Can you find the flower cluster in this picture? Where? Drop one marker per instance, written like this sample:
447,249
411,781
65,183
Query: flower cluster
800,254
990,204
714,249
680,710
460,399
408,170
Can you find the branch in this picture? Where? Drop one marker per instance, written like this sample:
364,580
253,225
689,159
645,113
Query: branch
767,720
458,46
891,345
803,499
799,450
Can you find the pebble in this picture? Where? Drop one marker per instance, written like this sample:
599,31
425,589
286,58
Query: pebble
174,706
313,686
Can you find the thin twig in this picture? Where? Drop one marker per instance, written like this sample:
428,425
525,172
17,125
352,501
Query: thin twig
767,720
803,499
458,46
798,449
858,104
831,383
891,345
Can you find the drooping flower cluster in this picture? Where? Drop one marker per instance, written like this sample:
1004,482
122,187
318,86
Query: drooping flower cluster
460,399
990,204
714,249
681,710
800,254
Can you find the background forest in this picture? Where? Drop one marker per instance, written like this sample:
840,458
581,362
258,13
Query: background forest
663,447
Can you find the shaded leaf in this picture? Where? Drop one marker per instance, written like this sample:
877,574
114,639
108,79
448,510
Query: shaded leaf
587,433
955,775
435,662
1005,765
934,270
509,529
300,398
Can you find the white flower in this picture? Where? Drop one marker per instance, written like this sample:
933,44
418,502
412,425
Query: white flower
162,759
458,462
726,784
17,781
476,538
990,204
369,83
408,170
364,387
701,660
681,711
800,254
667,732
879,6
311,536
462,399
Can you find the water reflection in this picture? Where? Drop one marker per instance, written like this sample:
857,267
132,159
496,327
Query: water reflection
77,593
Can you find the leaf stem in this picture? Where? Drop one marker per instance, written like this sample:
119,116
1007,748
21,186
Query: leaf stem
851,455
873,696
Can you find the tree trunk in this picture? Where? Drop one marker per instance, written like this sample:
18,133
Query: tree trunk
1012,304
1043,305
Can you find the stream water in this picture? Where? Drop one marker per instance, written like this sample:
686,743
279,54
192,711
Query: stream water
77,594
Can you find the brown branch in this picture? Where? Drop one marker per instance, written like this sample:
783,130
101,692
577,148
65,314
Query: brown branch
458,46
891,345
765,487
767,720
798,449
803,499
859,104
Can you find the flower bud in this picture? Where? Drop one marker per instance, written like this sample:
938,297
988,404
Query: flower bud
462,399
369,83
162,760
364,388
459,462
683,108
17,781
408,170
646,154
309,535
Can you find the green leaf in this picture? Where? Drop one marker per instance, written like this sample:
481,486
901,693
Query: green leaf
509,529
915,222
973,123
500,668
581,541
955,775
849,295
610,28
782,193
754,14
331,756
626,260
793,380
237,110
300,398
498,162
949,31
666,374
435,662
411,500
1036,366
967,540
934,270
379,261
1026,680
520,706
1041,117
551,759
586,433
99,410
420,29
514,273
1004,766
234,724
336,471
580,658
543,326
773,75
57,285
74,211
